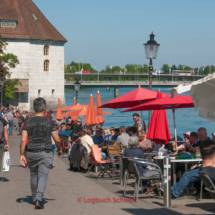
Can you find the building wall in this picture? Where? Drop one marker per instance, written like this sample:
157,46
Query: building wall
31,57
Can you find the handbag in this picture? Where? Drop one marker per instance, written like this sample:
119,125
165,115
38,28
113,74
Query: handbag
6,162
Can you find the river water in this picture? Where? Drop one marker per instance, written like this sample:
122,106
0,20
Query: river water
187,119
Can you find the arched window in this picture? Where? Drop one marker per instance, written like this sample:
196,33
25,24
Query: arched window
46,50
46,65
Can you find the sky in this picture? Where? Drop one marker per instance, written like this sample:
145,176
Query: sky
112,32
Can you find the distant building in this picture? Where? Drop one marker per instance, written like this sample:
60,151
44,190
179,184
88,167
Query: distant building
183,72
40,50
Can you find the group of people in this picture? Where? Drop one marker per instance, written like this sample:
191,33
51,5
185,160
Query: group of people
42,133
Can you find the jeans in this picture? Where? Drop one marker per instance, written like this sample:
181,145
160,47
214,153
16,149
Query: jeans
39,164
10,126
186,179
53,149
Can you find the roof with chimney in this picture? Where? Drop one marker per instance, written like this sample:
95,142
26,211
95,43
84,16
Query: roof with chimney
30,21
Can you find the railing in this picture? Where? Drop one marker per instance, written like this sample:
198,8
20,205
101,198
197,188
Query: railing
132,82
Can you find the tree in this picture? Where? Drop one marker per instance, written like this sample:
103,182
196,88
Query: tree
165,68
174,67
7,61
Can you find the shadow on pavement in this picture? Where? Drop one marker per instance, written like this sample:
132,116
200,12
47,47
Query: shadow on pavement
3,179
29,200
203,206
156,211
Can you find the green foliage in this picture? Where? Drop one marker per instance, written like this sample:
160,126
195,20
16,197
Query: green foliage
165,69
7,61
174,67
10,88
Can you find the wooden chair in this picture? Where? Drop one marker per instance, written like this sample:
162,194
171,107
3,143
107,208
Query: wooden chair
113,150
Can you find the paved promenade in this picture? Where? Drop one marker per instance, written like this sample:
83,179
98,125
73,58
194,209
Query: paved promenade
65,187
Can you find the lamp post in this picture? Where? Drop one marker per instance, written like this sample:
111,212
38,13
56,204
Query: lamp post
77,86
151,50
2,83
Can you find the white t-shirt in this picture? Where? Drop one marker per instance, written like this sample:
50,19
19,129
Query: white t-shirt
87,141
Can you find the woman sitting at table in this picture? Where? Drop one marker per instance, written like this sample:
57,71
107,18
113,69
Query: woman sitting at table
143,142
134,152
107,134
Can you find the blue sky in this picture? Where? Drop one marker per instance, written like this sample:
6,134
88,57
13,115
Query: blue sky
112,32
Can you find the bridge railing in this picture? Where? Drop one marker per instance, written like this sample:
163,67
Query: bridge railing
130,82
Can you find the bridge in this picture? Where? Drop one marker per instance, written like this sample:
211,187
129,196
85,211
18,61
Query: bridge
117,84
108,76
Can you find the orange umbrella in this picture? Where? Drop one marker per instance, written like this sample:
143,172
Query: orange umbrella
90,116
74,107
82,112
99,118
74,118
59,115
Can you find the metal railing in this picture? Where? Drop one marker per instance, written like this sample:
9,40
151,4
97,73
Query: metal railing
132,82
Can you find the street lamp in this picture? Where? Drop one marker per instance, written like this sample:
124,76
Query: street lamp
151,50
2,83
77,86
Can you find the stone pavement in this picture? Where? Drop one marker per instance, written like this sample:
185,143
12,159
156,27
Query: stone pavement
65,187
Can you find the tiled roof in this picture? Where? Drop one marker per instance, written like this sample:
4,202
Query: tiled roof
27,27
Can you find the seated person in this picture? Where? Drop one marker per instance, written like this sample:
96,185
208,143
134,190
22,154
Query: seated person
62,129
107,135
207,149
68,130
132,131
133,151
76,128
87,140
99,140
123,138
143,142
114,134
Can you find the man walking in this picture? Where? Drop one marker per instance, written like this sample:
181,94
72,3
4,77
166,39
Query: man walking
39,130
4,145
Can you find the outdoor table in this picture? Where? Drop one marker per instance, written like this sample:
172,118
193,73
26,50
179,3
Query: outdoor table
185,161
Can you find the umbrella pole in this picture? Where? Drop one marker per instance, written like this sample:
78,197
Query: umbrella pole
173,111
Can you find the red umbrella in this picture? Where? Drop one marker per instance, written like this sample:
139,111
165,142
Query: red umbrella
99,118
90,116
131,99
166,103
158,128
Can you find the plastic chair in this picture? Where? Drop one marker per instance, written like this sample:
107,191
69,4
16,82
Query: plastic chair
64,147
209,185
131,168
96,159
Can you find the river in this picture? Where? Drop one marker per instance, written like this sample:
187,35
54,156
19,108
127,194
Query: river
187,119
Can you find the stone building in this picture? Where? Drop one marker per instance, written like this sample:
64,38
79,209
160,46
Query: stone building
40,50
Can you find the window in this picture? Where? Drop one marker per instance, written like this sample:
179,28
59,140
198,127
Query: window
8,24
46,65
3,24
13,24
46,50
52,93
39,92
